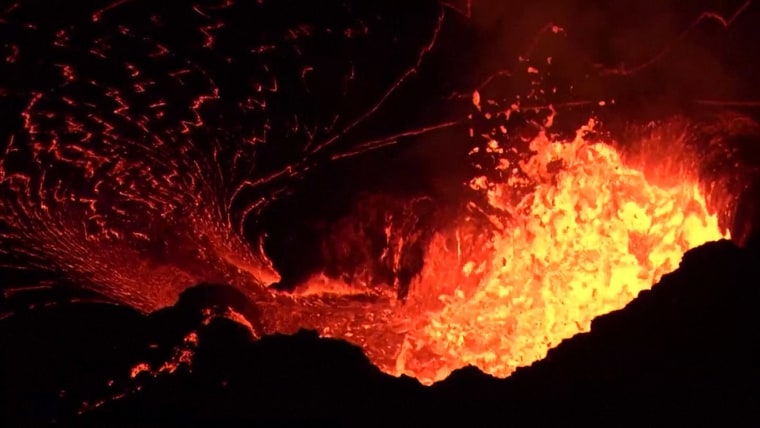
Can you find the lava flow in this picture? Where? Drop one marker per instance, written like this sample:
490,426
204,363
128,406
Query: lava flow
591,234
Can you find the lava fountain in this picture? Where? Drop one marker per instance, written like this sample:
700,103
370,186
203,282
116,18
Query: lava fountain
578,233
140,198
593,233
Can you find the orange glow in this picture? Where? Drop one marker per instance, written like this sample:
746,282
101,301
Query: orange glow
588,238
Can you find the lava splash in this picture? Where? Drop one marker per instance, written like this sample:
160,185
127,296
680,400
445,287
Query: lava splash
592,234
137,169
143,140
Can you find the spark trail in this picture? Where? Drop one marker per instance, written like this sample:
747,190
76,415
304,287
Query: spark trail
150,135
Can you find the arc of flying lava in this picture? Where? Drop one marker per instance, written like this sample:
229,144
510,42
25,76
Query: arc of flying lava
465,11
511,299
99,13
394,86
622,70
296,169
505,73
728,103
127,188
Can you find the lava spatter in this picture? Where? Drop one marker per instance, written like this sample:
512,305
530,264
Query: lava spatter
150,135
146,143
591,235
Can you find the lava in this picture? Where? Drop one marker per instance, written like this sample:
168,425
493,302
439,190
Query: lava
590,235
584,243
146,141
138,169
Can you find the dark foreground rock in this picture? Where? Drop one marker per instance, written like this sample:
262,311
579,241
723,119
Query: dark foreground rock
688,349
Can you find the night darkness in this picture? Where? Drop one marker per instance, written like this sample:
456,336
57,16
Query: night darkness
248,211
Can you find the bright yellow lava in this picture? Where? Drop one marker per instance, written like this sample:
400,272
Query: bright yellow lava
585,243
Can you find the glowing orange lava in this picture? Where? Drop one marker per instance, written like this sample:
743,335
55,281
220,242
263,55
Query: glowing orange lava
585,242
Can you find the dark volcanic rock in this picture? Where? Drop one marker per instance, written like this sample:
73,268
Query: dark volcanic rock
55,358
691,341
687,348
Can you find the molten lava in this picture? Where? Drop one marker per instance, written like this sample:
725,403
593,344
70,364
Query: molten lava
590,236
143,151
